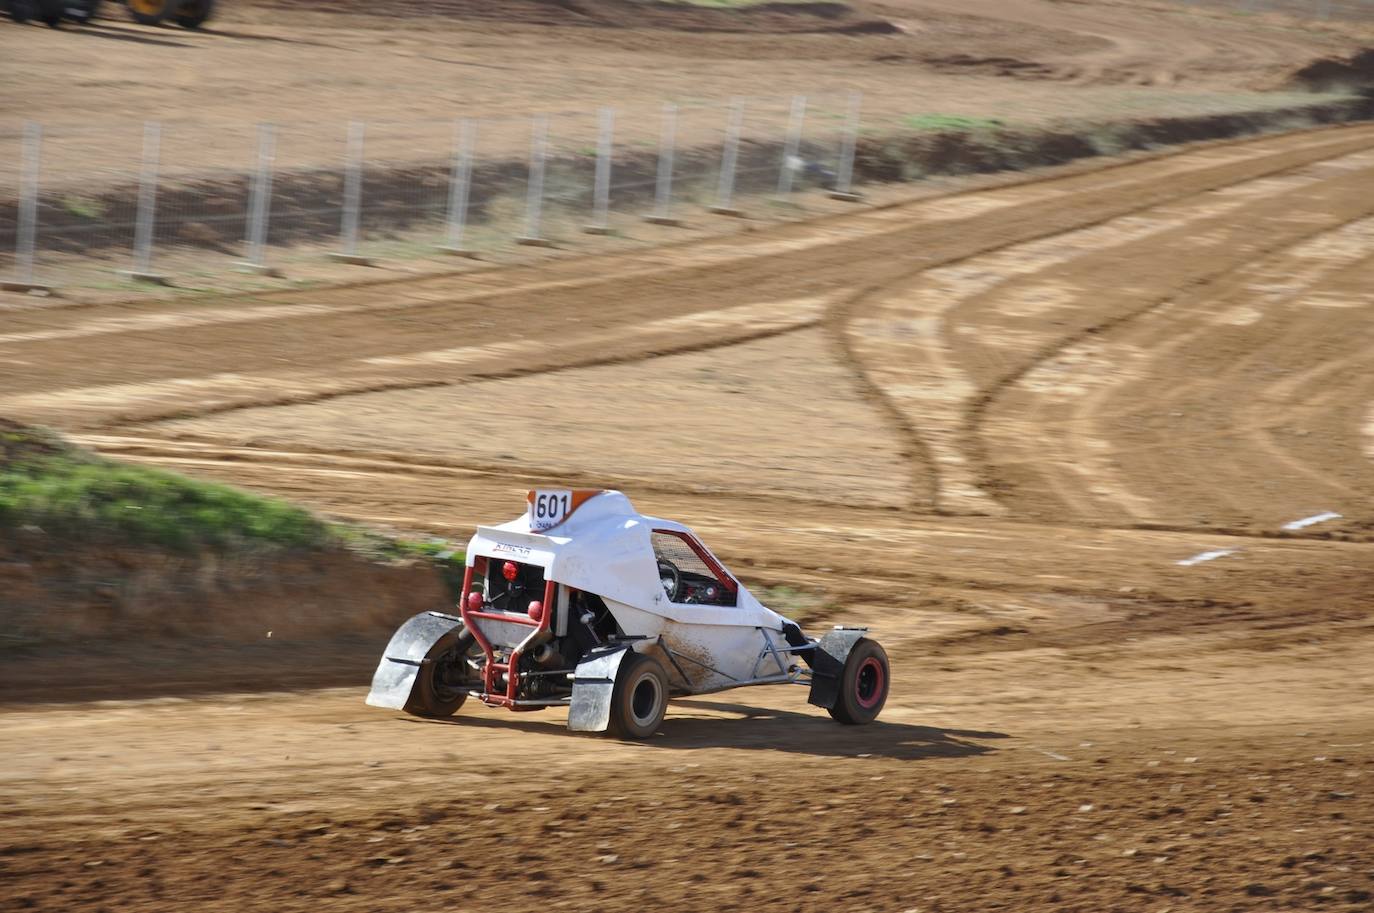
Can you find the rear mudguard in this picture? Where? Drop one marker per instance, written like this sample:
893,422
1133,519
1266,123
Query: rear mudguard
404,655
593,686
827,664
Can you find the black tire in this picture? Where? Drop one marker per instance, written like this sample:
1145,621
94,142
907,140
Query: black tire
639,699
192,14
864,684
442,684
51,12
151,12
23,10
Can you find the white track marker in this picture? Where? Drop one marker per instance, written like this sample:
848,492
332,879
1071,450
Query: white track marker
1312,520
1206,556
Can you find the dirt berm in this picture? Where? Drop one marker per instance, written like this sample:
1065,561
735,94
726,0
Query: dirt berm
84,606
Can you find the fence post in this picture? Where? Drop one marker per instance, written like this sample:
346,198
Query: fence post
844,175
729,161
601,190
459,186
791,162
260,204
146,220
26,235
353,196
534,189
663,192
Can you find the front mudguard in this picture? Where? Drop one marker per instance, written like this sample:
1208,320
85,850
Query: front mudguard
827,664
404,655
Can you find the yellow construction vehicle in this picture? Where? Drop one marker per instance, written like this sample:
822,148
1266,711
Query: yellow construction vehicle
189,14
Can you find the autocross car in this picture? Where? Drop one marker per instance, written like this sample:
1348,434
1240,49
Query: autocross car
583,602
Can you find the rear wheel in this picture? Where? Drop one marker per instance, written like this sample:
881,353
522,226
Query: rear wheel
445,677
192,14
639,699
863,684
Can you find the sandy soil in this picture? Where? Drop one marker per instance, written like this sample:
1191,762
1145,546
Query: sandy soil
309,69
999,426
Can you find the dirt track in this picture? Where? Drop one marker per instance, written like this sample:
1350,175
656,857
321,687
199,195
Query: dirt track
1044,397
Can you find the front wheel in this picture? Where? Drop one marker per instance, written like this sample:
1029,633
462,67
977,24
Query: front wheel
192,14
639,699
444,679
863,684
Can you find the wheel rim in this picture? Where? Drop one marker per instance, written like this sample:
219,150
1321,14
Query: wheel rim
868,684
148,7
644,700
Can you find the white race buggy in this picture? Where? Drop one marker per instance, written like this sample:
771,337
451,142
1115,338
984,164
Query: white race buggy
583,602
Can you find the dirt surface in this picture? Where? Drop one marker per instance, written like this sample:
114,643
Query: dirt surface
309,68
1044,437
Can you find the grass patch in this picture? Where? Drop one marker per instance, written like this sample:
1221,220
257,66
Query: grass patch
952,123
66,491
83,208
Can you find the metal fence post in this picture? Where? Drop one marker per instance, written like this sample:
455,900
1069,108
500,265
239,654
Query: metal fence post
601,190
146,220
460,183
663,192
534,189
353,196
27,233
729,161
260,204
791,162
844,175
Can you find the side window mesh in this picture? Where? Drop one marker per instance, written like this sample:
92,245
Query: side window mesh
675,549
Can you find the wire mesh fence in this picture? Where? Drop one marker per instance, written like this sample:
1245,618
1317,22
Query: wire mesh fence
256,205
155,200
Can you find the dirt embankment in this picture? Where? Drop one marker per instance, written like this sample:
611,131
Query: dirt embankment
80,591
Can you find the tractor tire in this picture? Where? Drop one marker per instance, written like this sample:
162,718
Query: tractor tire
864,684
639,699
51,12
440,687
192,14
151,12
23,10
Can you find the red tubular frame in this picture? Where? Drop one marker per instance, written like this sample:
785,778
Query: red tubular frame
490,694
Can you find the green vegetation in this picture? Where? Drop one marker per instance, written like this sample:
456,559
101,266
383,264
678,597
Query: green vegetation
76,495
66,491
952,123
83,208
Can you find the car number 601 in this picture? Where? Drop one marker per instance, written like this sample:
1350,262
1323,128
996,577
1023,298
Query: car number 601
549,508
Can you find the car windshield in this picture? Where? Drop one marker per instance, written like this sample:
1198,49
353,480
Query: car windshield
689,573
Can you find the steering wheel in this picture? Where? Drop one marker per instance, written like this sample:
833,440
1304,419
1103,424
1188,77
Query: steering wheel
671,579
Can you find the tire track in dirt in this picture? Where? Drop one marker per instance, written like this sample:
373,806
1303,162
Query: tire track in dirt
929,373
1066,366
1267,430
792,262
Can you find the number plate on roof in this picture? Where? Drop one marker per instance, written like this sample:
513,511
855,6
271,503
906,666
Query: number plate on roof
550,507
